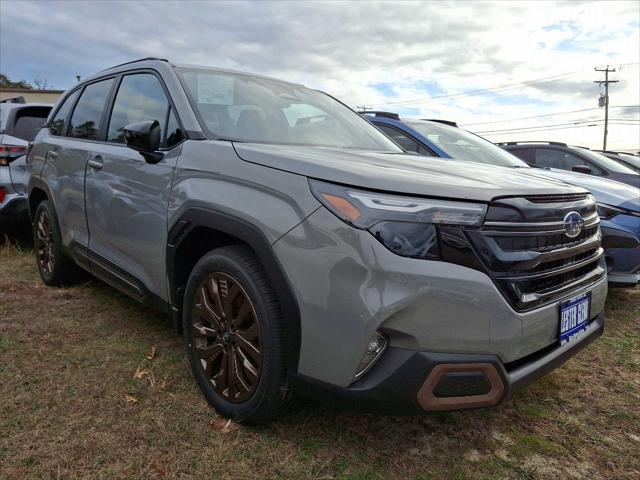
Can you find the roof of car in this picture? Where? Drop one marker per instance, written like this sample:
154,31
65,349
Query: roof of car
533,142
155,61
378,114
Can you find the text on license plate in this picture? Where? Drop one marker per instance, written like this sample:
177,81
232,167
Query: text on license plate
574,317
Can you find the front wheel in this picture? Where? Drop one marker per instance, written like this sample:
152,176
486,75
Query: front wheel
234,335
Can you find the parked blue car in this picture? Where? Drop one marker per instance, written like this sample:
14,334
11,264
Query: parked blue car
618,203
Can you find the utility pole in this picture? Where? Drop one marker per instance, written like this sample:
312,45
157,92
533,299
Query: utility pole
606,83
362,108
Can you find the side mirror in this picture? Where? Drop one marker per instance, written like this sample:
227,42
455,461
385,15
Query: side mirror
144,137
582,169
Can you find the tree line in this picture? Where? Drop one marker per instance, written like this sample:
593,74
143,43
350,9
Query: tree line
38,83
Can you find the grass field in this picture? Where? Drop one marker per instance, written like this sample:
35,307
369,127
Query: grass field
94,386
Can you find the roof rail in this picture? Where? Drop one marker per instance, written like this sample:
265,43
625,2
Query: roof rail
136,61
444,122
533,141
379,113
609,151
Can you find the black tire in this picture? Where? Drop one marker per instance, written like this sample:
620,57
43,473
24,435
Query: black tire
55,267
238,267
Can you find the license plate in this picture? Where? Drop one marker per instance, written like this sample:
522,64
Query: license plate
574,317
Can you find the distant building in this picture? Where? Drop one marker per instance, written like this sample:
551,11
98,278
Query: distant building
31,95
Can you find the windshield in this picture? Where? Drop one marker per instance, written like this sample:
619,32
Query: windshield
252,109
466,146
605,162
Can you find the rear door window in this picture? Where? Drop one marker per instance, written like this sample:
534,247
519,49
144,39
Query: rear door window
140,97
85,121
61,117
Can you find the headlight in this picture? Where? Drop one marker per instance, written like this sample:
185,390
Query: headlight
607,211
405,225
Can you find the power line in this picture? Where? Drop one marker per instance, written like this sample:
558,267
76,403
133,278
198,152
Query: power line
546,115
545,130
489,90
483,90
576,124
542,130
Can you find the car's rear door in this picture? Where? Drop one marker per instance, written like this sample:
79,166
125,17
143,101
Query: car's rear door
66,146
126,197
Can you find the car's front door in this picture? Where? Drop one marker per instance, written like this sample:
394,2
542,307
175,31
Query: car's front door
126,197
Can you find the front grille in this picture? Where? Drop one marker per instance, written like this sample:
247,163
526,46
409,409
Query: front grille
571,197
544,242
544,284
563,262
523,247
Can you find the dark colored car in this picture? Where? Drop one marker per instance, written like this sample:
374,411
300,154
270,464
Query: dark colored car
628,160
578,159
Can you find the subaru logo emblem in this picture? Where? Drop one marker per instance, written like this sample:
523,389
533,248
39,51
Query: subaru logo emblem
573,223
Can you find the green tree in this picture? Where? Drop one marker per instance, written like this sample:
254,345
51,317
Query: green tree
5,82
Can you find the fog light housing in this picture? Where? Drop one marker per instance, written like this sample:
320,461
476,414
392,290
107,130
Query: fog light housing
375,348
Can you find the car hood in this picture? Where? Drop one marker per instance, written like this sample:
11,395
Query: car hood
606,191
402,173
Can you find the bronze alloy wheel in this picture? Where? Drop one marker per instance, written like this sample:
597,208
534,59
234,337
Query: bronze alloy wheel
44,232
226,337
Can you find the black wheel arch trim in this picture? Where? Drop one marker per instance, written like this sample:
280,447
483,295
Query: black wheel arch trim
40,184
195,217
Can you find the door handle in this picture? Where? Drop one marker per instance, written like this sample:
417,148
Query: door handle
52,154
96,162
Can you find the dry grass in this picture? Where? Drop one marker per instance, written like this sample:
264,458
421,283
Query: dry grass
72,406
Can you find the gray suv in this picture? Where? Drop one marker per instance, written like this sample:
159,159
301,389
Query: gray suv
299,249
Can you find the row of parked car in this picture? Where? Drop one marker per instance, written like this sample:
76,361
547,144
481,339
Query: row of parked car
618,205
297,247
612,177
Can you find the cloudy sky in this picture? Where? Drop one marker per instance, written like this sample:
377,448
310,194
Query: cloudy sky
486,65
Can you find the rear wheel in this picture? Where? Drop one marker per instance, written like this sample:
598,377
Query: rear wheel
55,267
233,329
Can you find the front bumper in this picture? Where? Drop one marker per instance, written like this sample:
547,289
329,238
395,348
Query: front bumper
622,250
14,209
408,382
348,285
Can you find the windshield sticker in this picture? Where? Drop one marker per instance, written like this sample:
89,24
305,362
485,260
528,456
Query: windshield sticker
215,89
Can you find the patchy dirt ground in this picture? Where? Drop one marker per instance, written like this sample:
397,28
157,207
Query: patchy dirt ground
94,386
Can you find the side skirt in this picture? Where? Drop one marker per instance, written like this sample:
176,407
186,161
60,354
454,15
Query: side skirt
117,277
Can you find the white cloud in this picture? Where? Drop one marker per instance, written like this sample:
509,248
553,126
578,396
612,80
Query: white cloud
418,49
